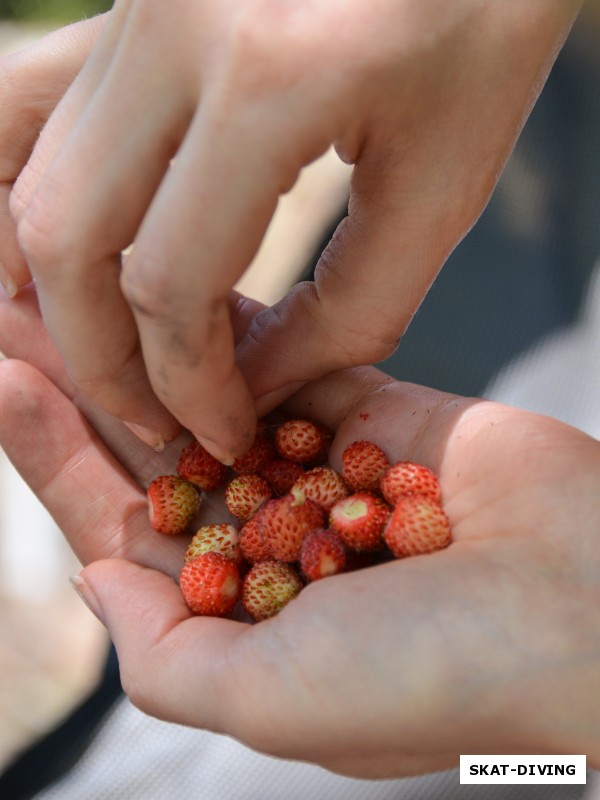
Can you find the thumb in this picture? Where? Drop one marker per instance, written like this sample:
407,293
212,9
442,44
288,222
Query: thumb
164,651
368,284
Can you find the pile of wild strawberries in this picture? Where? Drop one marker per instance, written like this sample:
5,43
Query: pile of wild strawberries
298,519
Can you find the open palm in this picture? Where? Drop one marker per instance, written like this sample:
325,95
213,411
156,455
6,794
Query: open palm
492,645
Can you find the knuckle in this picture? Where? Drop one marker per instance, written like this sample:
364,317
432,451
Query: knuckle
267,47
40,235
48,233
148,286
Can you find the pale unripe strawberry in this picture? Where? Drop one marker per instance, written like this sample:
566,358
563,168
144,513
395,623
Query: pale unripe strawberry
405,478
210,584
323,553
172,504
197,466
323,485
269,586
302,441
363,464
246,494
360,520
215,538
417,525
285,523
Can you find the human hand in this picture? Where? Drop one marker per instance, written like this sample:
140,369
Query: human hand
32,83
490,646
426,100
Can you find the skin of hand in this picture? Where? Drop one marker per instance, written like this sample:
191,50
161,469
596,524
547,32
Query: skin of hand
490,646
181,131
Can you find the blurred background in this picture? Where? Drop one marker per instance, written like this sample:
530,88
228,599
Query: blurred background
51,12
515,285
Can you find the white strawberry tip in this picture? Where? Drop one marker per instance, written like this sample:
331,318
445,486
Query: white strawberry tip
353,509
299,495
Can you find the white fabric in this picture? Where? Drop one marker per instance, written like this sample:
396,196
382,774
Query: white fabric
135,757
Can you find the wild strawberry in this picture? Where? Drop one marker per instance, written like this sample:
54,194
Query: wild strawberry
360,519
323,485
302,441
210,584
281,475
406,477
197,466
245,494
261,452
252,542
215,538
268,587
417,525
363,464
323,553
172,504
285,523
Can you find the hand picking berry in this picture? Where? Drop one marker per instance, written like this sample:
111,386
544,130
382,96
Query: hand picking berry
172,504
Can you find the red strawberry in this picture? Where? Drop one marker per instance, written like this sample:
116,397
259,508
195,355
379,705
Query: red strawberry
200,468
215,538
245,494
302,441
363,464
406,477
323,553
360,519
268,587
252,542
172,504
210,584
323,485
281,475
285,523
261,452
417,525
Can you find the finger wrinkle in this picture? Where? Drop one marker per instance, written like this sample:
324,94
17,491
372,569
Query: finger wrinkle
116,372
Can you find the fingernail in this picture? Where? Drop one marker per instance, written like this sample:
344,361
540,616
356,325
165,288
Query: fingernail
10,287
85,592
216,451
155,440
